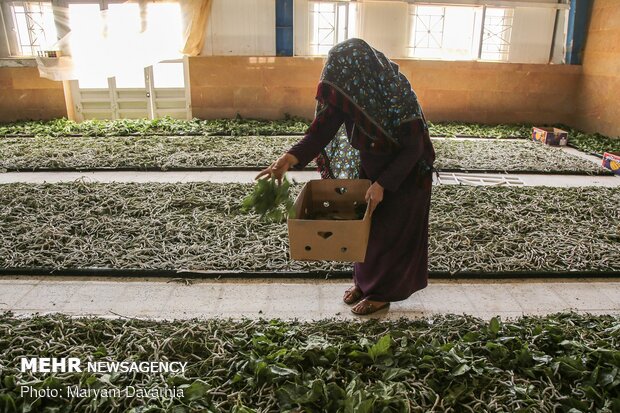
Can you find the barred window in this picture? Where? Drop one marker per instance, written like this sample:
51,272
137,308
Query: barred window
33,27
460,32
331,23
427,24
497,30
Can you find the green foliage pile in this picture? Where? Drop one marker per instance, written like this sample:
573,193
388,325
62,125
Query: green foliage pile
234,127
593,143
200,152
587,142
141,152
289,126
509,156
201,226
558,363
456,129
161,126
271,200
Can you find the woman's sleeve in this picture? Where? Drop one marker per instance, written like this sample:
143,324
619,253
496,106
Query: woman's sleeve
409,154
319,134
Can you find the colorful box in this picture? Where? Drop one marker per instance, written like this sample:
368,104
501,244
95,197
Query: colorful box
550,136
611,161
312,236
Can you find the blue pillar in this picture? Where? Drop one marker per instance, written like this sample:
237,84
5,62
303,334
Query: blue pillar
284,27
577,30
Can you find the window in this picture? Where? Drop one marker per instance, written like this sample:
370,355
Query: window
139,89
427,25
454,32
497,30
331,23
438,32
31,26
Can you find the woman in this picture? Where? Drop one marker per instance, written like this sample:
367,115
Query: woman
387,141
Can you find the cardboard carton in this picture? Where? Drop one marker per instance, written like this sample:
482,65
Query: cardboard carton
550,136
342,236
611,161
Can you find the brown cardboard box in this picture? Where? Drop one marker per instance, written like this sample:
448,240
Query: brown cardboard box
611,161
328,239
550,136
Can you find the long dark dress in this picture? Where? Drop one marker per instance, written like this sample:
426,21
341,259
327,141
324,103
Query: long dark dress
396,263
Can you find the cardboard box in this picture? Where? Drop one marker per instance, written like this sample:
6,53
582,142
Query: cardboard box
550,136
343,239
611,161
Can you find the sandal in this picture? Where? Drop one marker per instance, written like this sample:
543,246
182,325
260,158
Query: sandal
352,295
365,307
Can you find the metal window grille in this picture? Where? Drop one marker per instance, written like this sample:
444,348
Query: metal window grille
427,23
33,25
428,31
330,23
496,35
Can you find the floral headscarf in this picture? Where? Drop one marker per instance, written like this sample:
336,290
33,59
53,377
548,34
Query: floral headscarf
362,82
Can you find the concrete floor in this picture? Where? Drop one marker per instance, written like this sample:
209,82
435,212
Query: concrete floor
303,176
297,299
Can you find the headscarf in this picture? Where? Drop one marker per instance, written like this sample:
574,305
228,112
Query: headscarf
360,81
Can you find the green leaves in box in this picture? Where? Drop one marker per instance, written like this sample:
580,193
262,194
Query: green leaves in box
270,199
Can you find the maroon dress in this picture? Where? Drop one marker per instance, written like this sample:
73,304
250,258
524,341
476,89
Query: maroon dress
396,263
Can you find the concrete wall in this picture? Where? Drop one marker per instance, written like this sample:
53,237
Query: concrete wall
585,96
598,108
268,87
262,87
241,28
25,95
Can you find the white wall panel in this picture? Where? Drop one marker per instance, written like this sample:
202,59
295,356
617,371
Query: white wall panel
559,49
384,25
4,40
300,25
532,33
241,28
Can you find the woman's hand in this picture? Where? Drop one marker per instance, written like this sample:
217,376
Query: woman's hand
279,167
374,195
